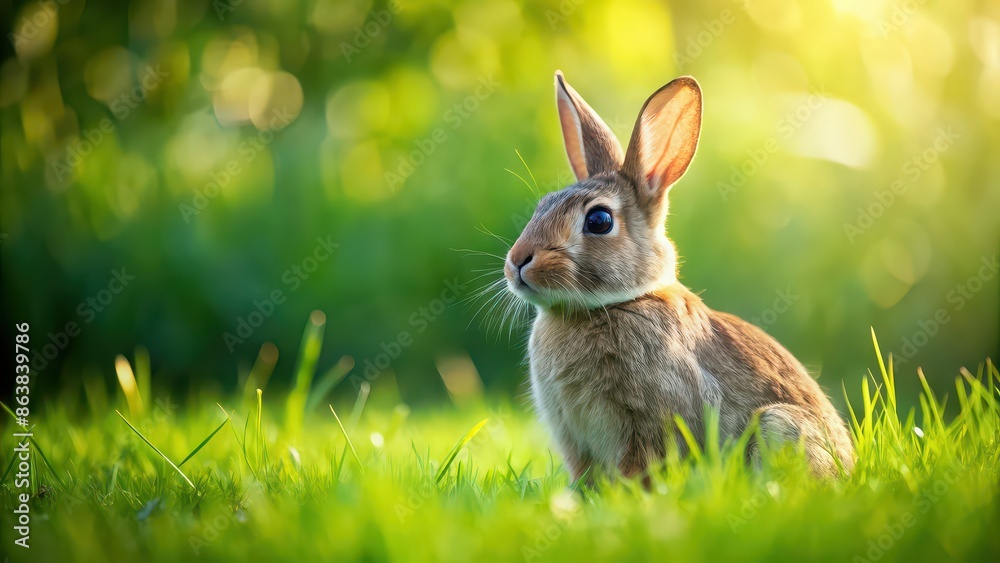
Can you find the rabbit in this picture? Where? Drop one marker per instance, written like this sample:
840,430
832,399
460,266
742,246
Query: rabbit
619,346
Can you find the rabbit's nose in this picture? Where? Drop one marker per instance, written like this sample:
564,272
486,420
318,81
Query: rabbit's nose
519,256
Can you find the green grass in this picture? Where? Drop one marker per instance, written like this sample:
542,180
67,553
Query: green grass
249,479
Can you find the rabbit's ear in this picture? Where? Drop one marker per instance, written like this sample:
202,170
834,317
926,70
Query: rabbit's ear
664,139
590,144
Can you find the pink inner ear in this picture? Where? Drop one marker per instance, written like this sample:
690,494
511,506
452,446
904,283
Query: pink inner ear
665,157
663,167
573,136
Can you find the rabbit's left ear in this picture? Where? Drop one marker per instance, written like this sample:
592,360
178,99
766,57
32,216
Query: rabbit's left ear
590,145
664,139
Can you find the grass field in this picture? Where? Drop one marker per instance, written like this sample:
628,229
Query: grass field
284,478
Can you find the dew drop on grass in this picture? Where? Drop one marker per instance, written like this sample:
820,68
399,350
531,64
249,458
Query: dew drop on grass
377,440
918,431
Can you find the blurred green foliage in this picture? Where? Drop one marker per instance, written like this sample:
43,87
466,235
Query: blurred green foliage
210,149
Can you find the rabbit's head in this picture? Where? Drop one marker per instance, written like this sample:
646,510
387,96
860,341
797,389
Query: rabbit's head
602,240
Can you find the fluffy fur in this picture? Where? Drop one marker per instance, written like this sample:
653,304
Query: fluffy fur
619,346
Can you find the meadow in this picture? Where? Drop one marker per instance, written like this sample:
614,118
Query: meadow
184,183
134,477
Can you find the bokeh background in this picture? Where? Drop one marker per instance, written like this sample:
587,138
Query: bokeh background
848,177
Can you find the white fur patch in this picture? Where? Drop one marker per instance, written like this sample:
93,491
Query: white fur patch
711,391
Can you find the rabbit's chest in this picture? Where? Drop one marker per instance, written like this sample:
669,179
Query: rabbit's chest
577,405
592,388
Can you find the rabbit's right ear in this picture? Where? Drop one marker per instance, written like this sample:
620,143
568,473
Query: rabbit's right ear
590,144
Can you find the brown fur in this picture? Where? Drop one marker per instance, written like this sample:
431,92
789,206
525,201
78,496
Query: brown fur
619,346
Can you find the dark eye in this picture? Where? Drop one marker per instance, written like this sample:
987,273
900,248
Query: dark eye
599,221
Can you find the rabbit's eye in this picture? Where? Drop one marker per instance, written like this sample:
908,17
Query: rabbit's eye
599,221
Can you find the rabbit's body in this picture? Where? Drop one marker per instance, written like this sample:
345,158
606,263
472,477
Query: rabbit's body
608,396
619,346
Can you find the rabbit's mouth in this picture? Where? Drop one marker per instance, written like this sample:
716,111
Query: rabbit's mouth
526,289
522,289
532,292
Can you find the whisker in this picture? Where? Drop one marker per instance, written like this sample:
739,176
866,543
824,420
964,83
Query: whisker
494,272
479,253
491,317
511,316
525,182
495,296
484,290
526,167
504,240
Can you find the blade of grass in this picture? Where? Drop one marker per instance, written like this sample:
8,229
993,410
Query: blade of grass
143,373
45,460
11,413
203,443
150,444
457,448
932,403
892,416
264,460
242,443
855,425
348,438
10,466
128,384
328,381
37,448
693,447
359,404
312,344
261,371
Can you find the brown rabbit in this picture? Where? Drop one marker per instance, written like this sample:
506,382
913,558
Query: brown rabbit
619,346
